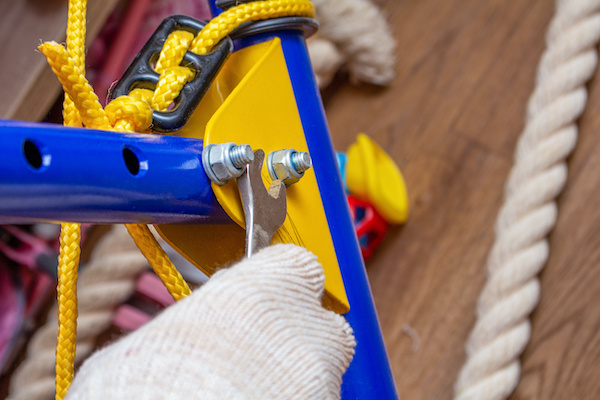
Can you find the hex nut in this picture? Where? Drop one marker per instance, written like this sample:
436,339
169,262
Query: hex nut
218,165
280,166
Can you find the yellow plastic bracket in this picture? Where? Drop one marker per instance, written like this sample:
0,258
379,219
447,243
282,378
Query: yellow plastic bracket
252,102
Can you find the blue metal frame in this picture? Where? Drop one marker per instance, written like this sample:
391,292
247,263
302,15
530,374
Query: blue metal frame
369,375
82,176
94,184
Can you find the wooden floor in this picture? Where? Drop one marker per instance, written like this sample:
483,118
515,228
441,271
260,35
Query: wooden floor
451,120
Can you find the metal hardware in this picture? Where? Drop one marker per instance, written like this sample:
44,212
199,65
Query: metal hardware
301,161
206,66
225,161
288,165
264,211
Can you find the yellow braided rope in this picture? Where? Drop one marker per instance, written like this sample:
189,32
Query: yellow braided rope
159,261
223,24
70,235
68,263
75,85
130,113
173,77
169,85
170,277
216,30
76,29
173,50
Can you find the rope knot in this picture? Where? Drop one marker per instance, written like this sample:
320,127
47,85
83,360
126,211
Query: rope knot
130,113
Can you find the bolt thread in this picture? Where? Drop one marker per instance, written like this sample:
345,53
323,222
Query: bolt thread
241,155
301,161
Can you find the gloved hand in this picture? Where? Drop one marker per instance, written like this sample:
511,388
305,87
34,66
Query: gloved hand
256,330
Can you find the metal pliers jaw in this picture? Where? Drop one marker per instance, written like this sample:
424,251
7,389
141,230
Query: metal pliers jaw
264,210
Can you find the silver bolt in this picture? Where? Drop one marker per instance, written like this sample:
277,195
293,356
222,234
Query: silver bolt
225,161
301,161
241,155
288,165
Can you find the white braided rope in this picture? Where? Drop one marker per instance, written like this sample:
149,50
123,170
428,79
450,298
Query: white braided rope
325,58
520,251
103,285
361,35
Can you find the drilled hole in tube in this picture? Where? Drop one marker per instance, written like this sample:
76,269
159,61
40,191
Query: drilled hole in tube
136,163
131,161
35,155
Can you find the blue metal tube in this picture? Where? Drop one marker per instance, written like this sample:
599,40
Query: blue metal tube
369,375
50,172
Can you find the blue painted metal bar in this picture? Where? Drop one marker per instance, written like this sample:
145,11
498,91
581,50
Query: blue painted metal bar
369,375
213,8
50,172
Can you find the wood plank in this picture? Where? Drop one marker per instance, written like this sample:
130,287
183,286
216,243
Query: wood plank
29,88
451,119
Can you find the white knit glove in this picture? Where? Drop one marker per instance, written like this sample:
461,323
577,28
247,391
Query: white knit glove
256,330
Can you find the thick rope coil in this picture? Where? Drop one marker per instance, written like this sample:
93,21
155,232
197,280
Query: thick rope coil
529,213
325,58
107,281
361,34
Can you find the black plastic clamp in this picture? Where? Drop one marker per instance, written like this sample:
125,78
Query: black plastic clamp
141,73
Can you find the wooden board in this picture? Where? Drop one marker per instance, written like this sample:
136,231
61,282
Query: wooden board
451,119
29,88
